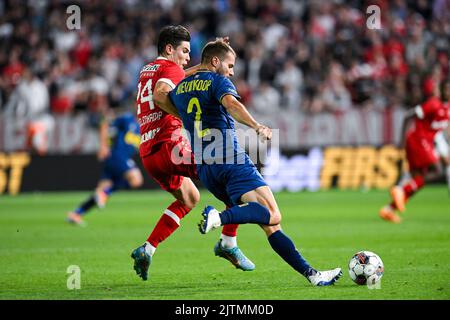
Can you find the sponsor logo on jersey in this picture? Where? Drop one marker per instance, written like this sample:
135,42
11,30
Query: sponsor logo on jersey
439,125
149,135
150,68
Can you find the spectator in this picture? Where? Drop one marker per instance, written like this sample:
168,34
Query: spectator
336,97
283,47
266,99
290,81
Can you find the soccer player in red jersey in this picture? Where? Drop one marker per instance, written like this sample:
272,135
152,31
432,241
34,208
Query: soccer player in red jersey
430,118
442,146
160,134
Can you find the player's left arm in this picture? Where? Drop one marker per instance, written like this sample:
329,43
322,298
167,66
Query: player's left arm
161,97
239,112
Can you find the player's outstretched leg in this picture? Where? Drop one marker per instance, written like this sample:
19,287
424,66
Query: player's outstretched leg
167,224
142,261
227,248
285,248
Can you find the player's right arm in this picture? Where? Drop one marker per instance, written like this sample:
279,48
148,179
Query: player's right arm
104,150
240,113
161,97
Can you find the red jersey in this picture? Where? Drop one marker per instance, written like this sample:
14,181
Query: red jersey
431,117
156,125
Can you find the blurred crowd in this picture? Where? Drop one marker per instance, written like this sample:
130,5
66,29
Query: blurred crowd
303,56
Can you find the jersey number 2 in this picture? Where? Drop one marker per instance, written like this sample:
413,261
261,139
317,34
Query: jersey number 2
141,98
198,117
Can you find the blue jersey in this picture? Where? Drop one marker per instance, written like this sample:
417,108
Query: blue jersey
124,136
222,165
211,128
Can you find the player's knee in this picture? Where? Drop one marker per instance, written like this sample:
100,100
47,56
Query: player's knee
192,199
195,199
269,230
275,217
136,182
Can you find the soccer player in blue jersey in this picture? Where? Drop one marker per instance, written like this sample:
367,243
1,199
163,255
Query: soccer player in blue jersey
207,102
119,142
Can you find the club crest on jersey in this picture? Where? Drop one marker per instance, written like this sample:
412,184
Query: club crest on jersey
150,68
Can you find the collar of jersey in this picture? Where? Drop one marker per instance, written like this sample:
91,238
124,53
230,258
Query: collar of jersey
161,58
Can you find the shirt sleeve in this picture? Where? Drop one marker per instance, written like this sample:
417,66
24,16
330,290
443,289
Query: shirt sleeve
223,87
419,111
172,96
172,75
427,109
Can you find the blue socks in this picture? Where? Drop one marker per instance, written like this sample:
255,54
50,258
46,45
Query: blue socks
285,248
90,202
110,190
85,206
251,212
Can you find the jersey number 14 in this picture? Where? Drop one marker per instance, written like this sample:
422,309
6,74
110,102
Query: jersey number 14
142,98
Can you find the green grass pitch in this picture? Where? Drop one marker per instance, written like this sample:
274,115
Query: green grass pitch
328,227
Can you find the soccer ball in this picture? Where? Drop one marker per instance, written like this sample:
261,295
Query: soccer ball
365,267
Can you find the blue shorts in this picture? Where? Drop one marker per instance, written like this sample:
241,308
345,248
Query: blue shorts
114,169
228,182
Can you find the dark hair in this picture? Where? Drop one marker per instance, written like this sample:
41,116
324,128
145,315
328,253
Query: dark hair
218,48
173,35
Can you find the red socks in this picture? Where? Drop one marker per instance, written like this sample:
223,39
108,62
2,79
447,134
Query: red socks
168,223
230,230
413,186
